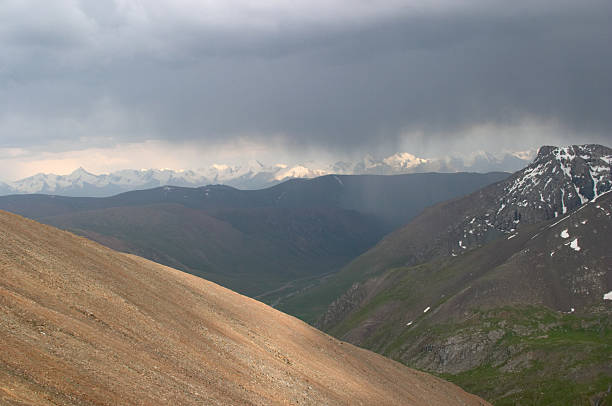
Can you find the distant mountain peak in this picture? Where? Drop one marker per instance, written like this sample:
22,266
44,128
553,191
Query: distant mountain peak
80,170
255,175
404,160
80,173
299,171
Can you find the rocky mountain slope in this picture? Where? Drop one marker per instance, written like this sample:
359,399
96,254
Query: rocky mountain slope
252,241
564,264
81,324
253,175
510,286
526,317
558,181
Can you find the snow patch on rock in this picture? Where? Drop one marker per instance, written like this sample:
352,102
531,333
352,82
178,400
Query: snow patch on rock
574,245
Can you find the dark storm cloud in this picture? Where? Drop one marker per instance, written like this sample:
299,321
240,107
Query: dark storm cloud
99,71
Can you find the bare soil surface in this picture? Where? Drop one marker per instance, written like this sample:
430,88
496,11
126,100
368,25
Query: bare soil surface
81,324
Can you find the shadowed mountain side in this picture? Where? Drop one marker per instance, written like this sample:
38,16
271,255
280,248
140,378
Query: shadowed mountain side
558,181
249,250
81,324
392,199
268,243
533,302
561,264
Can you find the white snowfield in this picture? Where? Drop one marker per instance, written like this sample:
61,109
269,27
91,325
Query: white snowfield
608,296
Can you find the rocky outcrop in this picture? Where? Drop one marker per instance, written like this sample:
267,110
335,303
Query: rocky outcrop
457,353
342,307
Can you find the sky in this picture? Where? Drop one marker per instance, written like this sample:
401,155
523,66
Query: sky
182,84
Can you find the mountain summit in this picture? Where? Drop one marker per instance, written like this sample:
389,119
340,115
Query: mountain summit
560,179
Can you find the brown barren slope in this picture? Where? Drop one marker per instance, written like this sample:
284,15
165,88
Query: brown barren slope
81,324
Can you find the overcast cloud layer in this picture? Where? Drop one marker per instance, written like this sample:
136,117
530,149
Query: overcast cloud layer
333,75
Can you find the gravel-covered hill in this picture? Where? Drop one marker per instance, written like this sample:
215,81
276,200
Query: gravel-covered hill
81,324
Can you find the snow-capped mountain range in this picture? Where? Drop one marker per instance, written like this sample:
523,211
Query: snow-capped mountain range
255,175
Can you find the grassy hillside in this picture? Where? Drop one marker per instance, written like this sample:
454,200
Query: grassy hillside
541,357
252,251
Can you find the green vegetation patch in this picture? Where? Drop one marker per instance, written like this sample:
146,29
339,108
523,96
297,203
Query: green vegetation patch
568,358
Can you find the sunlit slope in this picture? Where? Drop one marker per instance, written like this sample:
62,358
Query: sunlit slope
82,324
